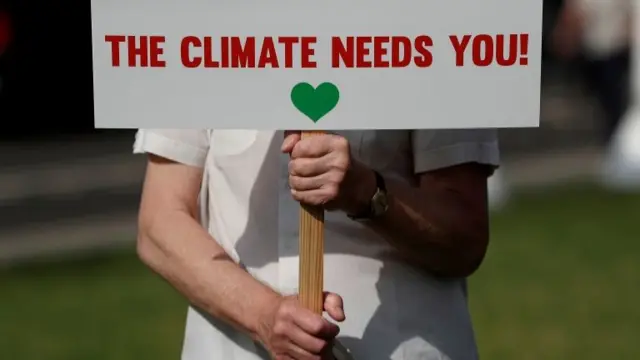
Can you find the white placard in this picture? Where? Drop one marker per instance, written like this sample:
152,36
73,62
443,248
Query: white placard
234,64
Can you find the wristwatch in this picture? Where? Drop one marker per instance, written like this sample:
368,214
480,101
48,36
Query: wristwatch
378,204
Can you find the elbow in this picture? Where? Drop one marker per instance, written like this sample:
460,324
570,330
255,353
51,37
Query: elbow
461,254
143,248
472,257
470,243
145,244
469,251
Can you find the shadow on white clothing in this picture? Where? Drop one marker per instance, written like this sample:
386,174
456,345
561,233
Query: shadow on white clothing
394,312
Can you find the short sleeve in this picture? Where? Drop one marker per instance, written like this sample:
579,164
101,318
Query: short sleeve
189,147
435,149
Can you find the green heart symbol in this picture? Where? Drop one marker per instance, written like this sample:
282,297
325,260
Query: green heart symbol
315,103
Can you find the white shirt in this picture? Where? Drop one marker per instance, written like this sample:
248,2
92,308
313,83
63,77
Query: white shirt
393,310
605,27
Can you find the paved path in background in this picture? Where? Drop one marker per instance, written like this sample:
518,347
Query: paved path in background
81,234
68,238
553,167
70,177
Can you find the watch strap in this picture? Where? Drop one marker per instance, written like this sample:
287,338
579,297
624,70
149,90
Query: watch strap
381,190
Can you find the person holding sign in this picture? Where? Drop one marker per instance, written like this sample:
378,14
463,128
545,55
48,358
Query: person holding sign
407,223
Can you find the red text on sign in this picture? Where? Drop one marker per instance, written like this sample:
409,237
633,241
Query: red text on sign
236,52
140,51
381,51
486,50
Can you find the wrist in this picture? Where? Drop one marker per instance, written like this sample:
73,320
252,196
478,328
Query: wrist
264,321
361,187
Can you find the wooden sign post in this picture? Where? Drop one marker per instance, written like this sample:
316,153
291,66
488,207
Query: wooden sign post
311,253
311,277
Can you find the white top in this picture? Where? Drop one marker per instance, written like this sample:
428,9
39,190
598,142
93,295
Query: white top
393,311
605,27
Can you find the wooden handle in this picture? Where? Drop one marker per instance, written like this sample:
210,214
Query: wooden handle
311,253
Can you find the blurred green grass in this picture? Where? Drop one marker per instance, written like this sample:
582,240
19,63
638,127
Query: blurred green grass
561,281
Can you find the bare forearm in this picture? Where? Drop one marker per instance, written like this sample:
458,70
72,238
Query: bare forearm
181,251
440,224
433,228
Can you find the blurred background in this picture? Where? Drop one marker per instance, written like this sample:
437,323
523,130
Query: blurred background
561,279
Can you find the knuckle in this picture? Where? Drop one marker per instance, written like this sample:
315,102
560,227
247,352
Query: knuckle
342,162
317,327
279,328
341,143
297,167
293,182
298,197
332,191
319,346
284,311
336,177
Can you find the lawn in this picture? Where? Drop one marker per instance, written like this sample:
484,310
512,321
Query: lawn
561,281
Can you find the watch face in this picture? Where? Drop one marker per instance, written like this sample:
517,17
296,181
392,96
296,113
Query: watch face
379,203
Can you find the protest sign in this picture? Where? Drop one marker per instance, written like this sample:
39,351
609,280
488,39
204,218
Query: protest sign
301,64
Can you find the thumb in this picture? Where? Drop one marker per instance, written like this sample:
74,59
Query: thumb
333,305
291,138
